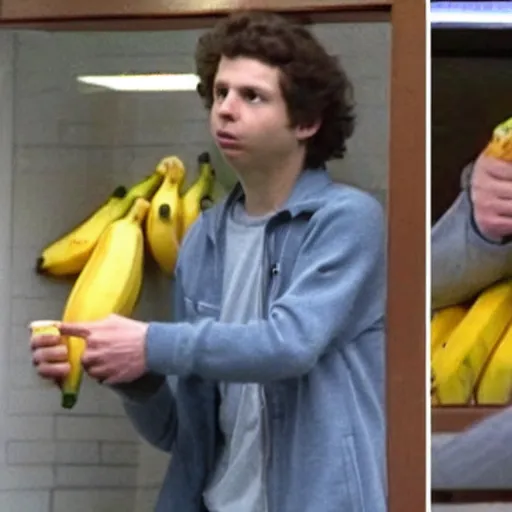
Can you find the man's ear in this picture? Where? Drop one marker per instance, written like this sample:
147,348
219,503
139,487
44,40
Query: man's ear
306,132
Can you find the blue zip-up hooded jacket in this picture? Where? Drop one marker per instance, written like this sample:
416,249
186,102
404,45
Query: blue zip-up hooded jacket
319,352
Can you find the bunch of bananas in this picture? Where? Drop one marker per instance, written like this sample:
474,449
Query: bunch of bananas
172,213
471,349
471,344
106,251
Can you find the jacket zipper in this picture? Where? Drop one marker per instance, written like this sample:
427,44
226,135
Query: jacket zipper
271,273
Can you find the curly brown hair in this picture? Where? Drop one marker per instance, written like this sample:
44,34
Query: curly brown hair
314,85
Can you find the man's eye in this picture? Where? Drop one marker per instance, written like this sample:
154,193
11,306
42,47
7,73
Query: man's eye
252,96
221,92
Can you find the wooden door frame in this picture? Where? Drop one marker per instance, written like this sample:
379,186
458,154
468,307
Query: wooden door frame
407,220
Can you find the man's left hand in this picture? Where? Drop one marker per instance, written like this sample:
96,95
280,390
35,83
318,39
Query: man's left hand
115,347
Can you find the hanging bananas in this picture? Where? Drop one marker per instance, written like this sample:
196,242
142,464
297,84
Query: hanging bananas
163,223
109,283
199,196
68,255
106,250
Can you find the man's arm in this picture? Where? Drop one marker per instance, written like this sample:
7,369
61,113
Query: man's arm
336,289
464,258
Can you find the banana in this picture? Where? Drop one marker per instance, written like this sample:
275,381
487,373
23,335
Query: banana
109,283
68,255
443,323
495,385
199,196
163,222
456,367
500,145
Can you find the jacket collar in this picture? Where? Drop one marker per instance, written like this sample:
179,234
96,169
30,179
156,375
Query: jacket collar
304,197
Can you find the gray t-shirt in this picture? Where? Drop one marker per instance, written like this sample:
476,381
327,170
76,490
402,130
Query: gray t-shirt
238,482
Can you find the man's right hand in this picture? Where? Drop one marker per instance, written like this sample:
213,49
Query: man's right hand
491,194
50,357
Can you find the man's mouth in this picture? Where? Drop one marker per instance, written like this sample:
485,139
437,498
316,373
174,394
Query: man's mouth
227,140
225,135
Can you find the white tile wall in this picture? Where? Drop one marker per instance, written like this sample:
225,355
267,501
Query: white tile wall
6,174
62,150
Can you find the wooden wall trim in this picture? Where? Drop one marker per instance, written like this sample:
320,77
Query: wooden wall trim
187,22
456,418
54,9
406,338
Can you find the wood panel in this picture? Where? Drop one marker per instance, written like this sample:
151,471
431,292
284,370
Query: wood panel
187,22
454,419
406,393
58,9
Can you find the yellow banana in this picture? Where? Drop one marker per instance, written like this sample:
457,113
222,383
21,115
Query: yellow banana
163,222
134,286
443,323
495,385
199,195
109,283
68,255
456,367
500,145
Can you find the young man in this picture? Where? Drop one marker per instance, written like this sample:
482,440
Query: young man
278,335
471,249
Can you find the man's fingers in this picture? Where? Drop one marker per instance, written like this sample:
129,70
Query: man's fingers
95,365
55,371
56,354
44,340
100,372
495,225
500,191
78,329
501,208
494,198
496,168
91,357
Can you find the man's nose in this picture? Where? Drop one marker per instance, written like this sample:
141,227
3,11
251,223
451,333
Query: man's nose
228,106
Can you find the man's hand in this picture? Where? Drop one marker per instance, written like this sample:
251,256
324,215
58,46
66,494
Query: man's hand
50,357
115,348
491,194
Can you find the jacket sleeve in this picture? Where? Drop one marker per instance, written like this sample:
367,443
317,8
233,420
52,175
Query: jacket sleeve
336,290
153,415
463,262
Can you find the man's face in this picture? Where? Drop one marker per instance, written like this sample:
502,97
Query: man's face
249,120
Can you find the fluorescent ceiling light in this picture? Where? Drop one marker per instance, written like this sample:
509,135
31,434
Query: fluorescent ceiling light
471,13
150,82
